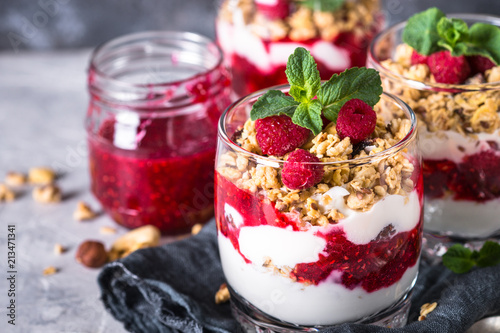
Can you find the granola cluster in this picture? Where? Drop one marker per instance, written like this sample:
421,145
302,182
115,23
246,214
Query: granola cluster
303,23
366,183
467,113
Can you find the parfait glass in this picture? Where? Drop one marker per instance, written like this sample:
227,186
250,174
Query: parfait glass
155,100
459,135
257,36
345,250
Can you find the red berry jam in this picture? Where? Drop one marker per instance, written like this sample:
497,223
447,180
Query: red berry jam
475,178
156,98
378,264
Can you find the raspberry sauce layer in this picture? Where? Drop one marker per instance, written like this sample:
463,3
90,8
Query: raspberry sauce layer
378,264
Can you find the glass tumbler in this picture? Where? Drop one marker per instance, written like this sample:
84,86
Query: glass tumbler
345,250
257,36
459,133
155,99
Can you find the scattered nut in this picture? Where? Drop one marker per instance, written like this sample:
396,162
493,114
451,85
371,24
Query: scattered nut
91,254
59,249
15,178
83,212
47,194
50,270
196,228
42,176
107,230
426,309
6,194
146,236
222,295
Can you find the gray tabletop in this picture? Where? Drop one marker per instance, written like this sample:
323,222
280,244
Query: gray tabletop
43,101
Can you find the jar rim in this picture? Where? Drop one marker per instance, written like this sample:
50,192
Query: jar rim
402,144
144,35
375,62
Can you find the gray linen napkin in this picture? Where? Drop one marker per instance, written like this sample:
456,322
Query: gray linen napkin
171,289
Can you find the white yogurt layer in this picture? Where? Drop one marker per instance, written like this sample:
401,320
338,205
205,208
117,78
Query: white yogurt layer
451,145
238,38
362,227
327,303
466,219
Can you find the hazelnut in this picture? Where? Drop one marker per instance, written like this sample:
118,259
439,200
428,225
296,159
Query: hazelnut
59,249
83,212
91,254
146,236
47,194
42,176
6,194
196,228
15,178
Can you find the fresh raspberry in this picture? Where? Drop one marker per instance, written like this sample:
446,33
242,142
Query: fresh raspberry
278,135
273,9
447,68
417,58
479,64
356,120
297,174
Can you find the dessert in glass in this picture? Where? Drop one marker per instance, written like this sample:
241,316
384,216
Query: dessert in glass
257,36
155,99
457,103
319,229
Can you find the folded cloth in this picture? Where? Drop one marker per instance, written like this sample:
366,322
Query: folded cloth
171,289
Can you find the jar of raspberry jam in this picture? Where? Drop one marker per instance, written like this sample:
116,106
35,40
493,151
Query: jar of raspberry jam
257,36
155,99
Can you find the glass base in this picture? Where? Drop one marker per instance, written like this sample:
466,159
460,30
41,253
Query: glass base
435,245
252,320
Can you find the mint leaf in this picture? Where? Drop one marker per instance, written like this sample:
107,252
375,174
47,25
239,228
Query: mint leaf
303,75
308,115
489,255
273,102
452,31
458,259
361,83
323,5
485,40
421,31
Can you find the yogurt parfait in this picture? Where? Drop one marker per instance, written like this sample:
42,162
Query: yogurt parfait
257,36
319,202
452,82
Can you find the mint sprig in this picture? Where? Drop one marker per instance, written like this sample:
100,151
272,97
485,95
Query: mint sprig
305,85
460,259
323,5
431,31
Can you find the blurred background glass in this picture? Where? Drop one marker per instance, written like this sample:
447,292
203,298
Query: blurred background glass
48,24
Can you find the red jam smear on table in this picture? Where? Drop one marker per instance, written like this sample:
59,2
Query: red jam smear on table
378,264
167,180
248,78
476,178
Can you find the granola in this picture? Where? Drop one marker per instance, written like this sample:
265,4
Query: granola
304,23
366,184
468,113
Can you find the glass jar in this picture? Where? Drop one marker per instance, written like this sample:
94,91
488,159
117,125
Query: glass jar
345,250
155,99
459,133
257,36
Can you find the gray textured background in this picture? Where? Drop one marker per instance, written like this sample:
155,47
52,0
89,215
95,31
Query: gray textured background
45,24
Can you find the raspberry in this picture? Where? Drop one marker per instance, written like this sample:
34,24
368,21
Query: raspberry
273,9
278,135
480,64
417,58
297,174
447,68
356,120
